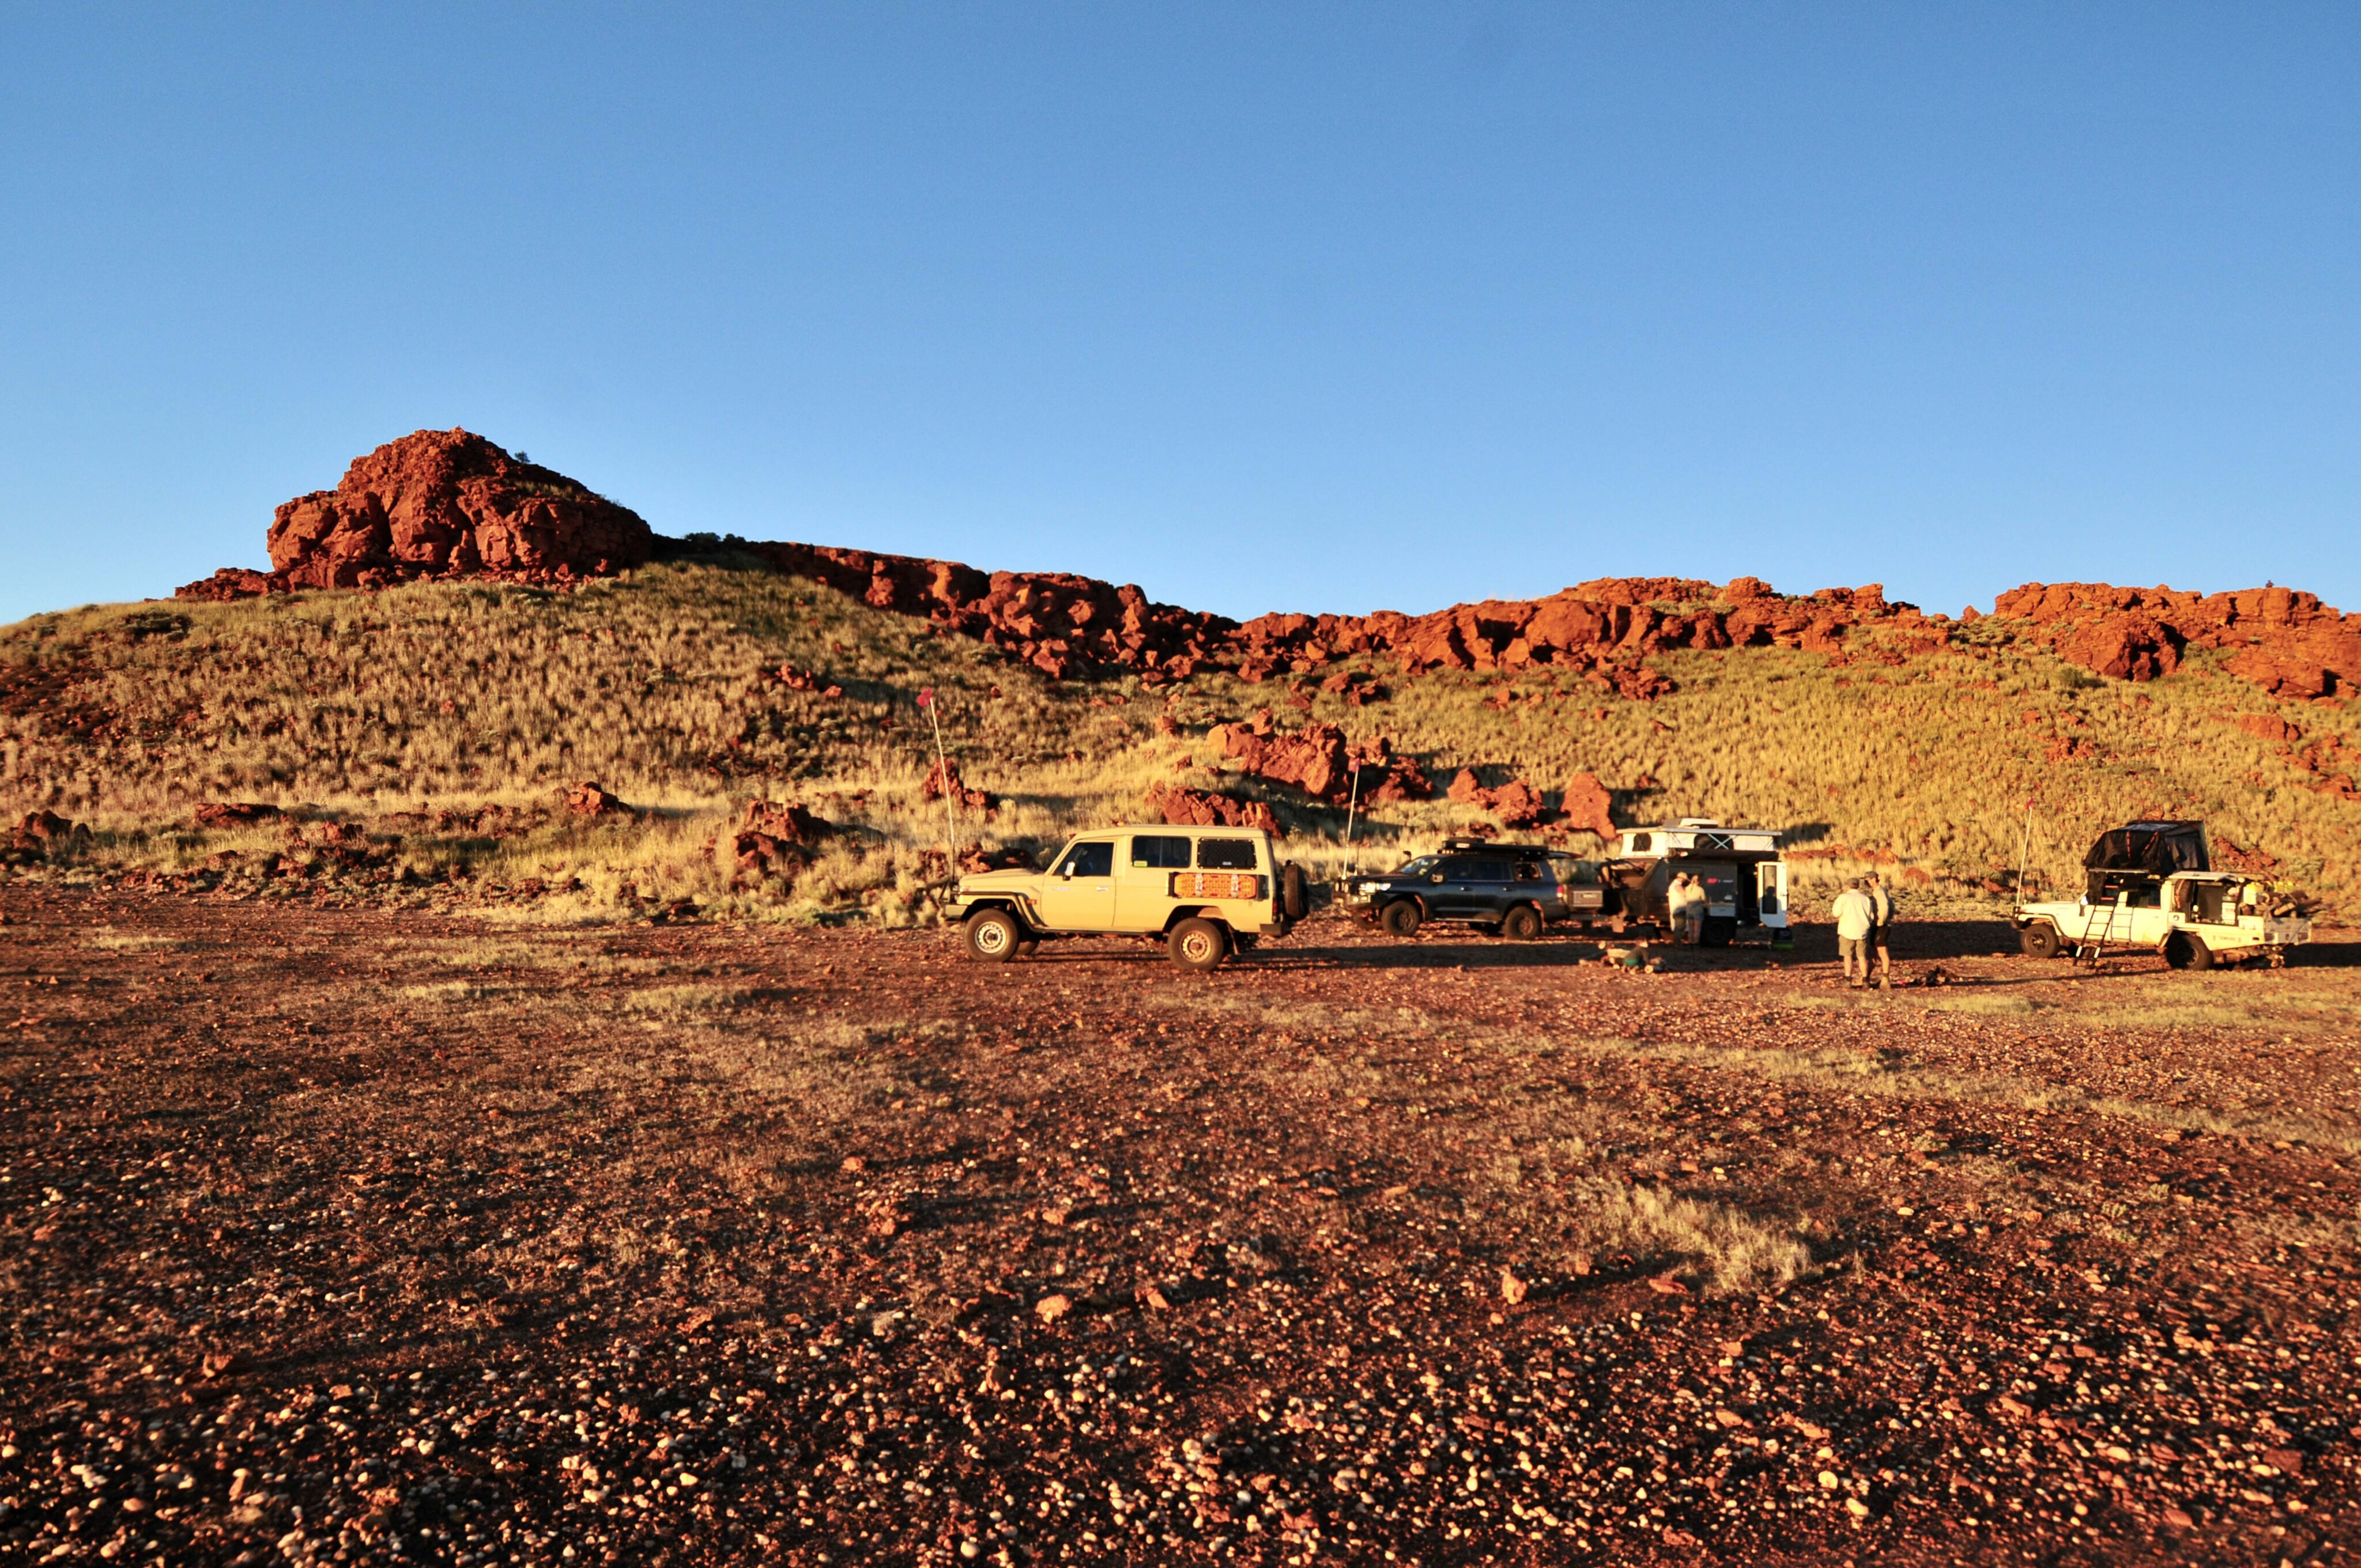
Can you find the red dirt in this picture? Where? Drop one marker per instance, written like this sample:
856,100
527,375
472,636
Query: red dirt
545,1252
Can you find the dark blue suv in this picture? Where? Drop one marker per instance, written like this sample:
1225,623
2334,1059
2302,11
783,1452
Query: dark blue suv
1509,890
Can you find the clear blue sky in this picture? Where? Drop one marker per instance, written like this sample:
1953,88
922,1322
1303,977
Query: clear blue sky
1259,306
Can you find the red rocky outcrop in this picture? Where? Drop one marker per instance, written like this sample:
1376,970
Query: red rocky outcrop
587,799
1312,758
777,840
436,504
943,779
1587,805
1204,808
44,835
233,813
1516,804
1061,624
2285,641
1317,760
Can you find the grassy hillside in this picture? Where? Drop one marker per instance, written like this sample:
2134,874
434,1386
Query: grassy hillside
409,712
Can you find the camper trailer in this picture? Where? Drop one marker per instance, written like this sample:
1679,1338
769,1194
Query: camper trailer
1743,873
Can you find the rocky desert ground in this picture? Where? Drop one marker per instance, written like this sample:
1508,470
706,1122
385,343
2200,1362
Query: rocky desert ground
362,1235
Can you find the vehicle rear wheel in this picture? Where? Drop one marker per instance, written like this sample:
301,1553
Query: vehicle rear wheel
1523,923
1294,896
1401,917
2040,940
1197,944
2185,950
993,935
1028,947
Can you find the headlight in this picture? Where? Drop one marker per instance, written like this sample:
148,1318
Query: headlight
1367,887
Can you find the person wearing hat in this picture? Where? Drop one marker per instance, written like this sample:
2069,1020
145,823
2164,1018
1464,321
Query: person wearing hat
1856,917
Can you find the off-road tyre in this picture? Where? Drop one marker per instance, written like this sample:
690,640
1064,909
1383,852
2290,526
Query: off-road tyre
1028,947
2184,949
2040,940
1197,944
993,935
1401,917
1523,923
1294,897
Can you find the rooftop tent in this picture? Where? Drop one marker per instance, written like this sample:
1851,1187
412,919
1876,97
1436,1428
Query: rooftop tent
2158,847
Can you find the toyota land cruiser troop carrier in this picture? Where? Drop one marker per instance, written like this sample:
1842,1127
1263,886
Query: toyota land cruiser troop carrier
2151,884
1208,892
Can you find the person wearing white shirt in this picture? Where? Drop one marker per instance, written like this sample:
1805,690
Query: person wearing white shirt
1856,917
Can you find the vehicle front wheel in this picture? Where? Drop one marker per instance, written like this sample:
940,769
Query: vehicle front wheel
1198,945
993,935
1401,918
2040,940
1523,923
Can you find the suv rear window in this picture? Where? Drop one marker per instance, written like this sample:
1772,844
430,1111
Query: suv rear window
1160,853
1226,854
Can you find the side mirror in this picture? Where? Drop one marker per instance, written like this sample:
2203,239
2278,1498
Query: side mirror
1434,876
1067,871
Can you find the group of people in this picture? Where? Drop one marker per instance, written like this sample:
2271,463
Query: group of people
1863,911
1865,917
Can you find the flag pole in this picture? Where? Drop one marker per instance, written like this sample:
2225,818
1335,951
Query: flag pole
943,767
1352,806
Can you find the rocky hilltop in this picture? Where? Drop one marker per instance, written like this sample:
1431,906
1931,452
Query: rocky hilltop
452,504
440,503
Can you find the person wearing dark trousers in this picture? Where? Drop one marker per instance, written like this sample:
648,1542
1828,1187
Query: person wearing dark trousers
1881,932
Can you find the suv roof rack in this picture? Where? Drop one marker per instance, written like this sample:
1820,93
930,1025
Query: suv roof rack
1479,846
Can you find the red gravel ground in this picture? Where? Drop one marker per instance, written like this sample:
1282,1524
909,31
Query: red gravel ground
360,1237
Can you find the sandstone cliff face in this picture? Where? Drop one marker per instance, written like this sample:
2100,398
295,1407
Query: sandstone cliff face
452,504
2288,642
441,503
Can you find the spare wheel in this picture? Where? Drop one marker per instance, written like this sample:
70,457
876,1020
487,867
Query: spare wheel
1294,896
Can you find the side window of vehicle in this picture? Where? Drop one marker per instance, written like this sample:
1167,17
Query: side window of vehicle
1455,868
1090,858
1159,853
1226,854
1490,872
1529,870
1642,842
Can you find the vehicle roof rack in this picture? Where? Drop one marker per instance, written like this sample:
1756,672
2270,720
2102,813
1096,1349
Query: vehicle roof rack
1467,846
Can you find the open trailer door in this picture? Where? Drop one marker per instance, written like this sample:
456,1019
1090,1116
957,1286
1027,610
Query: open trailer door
1771,900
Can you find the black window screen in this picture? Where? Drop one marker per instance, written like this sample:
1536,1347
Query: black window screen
1089,860
1490,871
1160,853
1226,854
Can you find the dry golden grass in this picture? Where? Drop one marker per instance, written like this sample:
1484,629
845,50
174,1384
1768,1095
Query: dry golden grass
380,708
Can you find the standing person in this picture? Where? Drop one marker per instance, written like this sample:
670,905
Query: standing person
1855,919
1693,914
1881,946
1677,907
